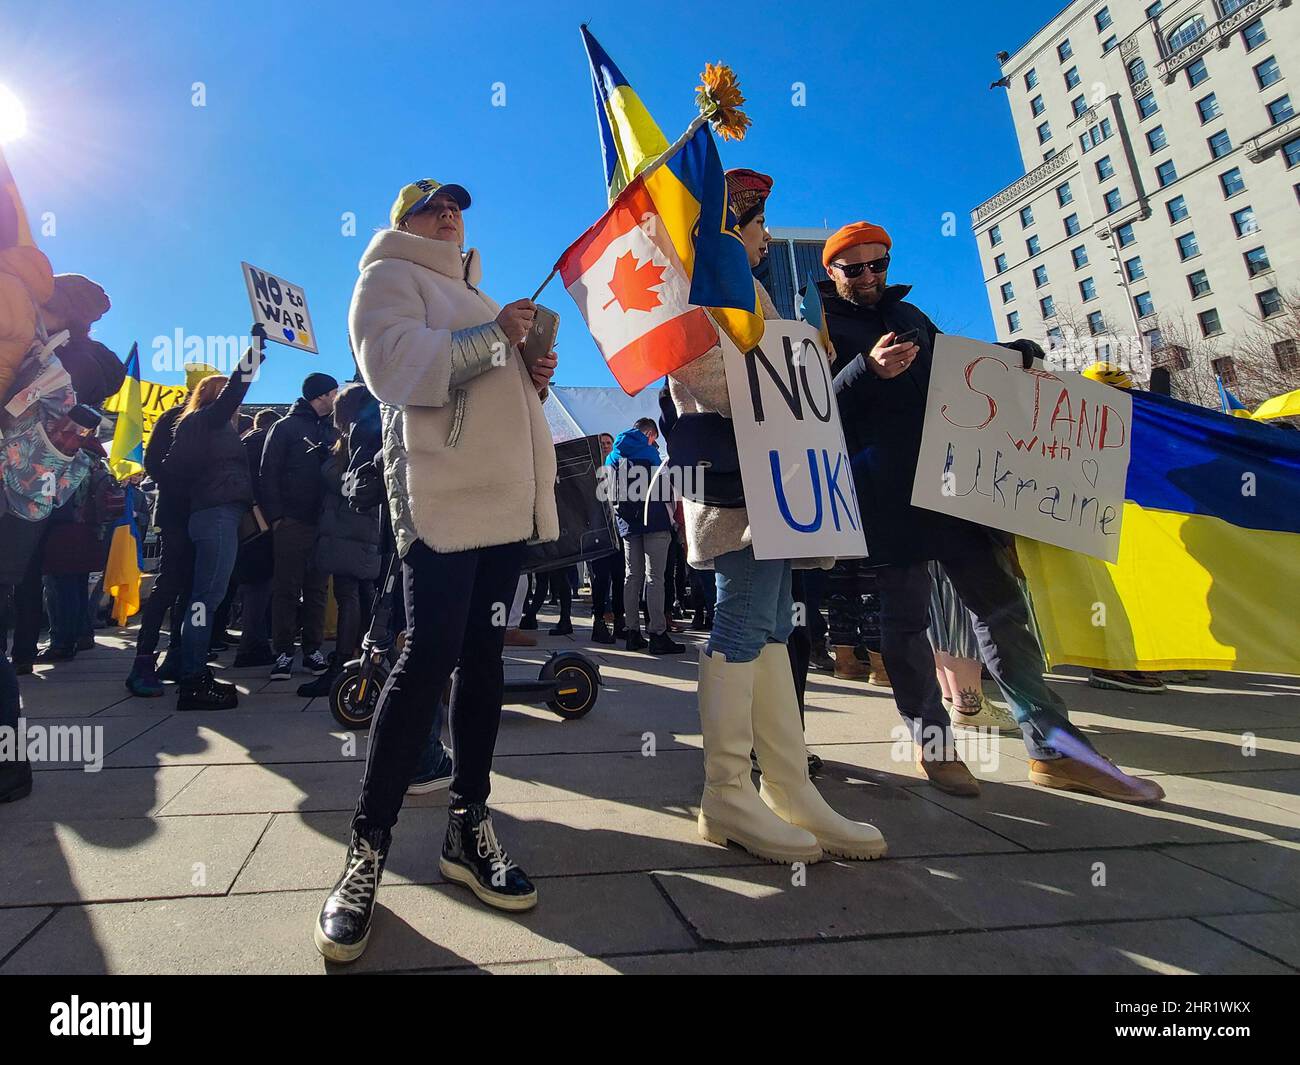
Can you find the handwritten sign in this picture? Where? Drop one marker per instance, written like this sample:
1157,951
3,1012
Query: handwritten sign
280,307
794,464
1039,453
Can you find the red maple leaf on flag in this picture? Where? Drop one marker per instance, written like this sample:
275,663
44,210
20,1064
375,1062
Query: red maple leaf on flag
633,285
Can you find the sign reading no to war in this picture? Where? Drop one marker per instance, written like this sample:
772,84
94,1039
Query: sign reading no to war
281,308
1039,453
793,461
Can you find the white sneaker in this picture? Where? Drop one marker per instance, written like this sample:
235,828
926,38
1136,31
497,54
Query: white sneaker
983,715
283,668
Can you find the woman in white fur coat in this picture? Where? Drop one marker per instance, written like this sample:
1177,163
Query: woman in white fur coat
746,688
470,471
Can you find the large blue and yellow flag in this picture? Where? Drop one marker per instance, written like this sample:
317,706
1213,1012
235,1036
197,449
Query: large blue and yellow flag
127,455
689,189
122,570
1209,555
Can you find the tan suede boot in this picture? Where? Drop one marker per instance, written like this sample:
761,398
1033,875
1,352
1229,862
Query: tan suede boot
847,666
878,677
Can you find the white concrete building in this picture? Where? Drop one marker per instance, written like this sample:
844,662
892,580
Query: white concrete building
1160,207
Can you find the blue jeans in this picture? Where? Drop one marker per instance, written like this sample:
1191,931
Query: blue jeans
754,608
69,601
215,534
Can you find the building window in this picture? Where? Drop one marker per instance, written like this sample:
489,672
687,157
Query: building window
1166,173
1105,168
1064,195
1063,50
1048,306
1288,355
1177,209
1199,283
1055,338
1185,33
1270,302
1072,225
1197,72
1280,109
1291,152
1155,9
1147,105
1209,320
1134,269
1220,144
995,236
1156,139
1102,18
1000,264
1031,78
1079,106
1037,106
1109,44
1267,72
1032,245
1080,256
1072,78
1114,200
1232,182
1257,262
1026,217
1208,108
1225,369
1049,155
1137,70
1096,323
1088,289
1040,276
1125,235
1254,35
1044,133
1008,293
1013,322
1144,304
1187,246
1244,222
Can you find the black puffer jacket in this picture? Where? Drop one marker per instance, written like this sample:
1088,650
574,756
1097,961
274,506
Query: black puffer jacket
882,426
297,447
347,541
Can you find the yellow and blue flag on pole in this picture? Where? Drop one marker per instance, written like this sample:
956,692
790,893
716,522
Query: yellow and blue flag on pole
1209,556
127,455
629,138
122,570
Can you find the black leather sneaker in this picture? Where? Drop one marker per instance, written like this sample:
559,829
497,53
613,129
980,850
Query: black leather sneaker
343,927
663,644
635,641
205,692
472,856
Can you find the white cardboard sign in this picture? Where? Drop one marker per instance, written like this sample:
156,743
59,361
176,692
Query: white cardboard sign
1038,453
280,307
794,464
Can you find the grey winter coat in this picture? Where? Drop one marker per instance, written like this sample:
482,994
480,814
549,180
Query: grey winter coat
347,542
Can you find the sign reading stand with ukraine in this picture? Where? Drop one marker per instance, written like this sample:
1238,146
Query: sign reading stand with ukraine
281,308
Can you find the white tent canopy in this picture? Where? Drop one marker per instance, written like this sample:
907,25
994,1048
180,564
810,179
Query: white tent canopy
574,411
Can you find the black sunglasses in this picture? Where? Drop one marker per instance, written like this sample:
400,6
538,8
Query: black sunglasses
876,266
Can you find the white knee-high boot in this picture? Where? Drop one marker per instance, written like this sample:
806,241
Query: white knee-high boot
730,809
783,760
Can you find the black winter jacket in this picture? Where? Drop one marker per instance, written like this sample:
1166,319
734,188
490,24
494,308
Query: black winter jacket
292,482
882,427
173,508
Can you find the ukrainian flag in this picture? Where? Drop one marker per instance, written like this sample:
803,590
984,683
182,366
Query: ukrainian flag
127,456
1209,556
122,570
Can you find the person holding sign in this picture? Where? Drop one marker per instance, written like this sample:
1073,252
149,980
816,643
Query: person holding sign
470,471
886,345
747,693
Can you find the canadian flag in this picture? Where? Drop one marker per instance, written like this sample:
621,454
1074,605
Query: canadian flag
626,278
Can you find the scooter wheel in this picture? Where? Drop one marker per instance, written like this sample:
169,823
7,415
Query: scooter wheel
577,685
354,697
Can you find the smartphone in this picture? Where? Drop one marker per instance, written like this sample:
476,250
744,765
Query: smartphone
907,338
541,338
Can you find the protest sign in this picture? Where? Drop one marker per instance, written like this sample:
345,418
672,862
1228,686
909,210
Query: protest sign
154,399
280,307
1039,453
794,464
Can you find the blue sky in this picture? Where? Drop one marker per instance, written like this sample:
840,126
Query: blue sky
314,110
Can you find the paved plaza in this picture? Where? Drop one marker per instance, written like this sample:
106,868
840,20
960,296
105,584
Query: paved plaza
207,841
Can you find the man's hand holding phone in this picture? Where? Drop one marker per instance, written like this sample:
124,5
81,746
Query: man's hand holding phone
893,354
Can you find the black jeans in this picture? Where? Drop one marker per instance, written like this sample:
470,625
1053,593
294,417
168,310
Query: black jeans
1000,617
171,589
457,606
607,577
354,597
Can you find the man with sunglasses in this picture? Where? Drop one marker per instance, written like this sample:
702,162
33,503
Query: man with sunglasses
885,347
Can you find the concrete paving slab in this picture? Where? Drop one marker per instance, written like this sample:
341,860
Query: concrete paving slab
1272,868
75,795
243,737
17,924
1274,934
89,740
